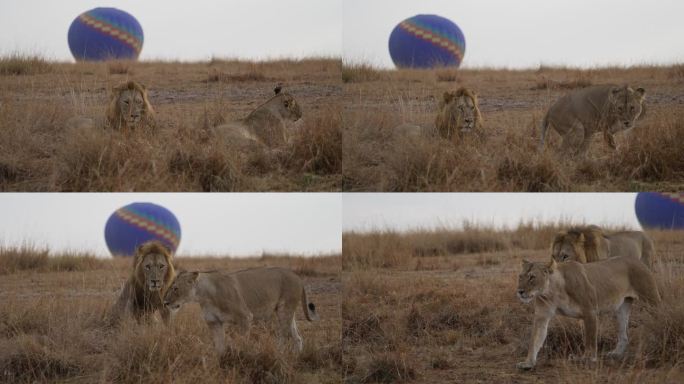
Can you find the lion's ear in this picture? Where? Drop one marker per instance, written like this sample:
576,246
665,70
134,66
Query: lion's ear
525,262
195,276
581,238
615,90
552,265
448,96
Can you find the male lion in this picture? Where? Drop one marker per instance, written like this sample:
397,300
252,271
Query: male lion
266,125
588,244
128,108
458,114
601,108
582,291
243,296
152,275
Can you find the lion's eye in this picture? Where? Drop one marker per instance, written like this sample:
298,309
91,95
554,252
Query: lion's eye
163,266
631,108
531,277
126,102
147,267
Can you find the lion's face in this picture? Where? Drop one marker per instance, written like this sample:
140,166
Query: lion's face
568,246
533,280
131,104
155,269
181,291
627,105
289,108
461,110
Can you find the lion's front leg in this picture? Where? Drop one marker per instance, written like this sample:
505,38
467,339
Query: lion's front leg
218,336
539,329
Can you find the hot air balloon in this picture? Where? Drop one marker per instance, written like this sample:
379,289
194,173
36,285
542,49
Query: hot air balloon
136,223
660,210
105,33
426,41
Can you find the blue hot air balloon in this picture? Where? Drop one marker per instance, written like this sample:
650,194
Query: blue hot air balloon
105,33
426,41
136,223
660,210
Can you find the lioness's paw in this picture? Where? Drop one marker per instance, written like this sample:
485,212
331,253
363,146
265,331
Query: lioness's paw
614,355
525,366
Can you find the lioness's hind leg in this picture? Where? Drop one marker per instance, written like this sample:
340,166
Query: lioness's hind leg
622,315
574,139
218,334
299,343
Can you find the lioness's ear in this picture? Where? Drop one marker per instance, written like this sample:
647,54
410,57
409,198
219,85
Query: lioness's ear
277,89
640,92
525,262
615,90
195,275
447,97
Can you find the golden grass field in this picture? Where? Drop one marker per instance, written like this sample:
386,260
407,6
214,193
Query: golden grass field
54,328
440,306
39,96
506,158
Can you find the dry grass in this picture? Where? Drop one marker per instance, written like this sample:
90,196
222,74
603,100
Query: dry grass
40,153
506,158
54,327
17,64
458,320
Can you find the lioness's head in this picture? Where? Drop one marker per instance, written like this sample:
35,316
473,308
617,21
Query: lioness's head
128,105
627,105
153,266
181,291
286,106
458,113
580,244
534,279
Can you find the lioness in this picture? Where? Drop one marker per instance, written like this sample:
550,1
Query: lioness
458,114
590,243
266,125
582,291
601,108
243,296
151,277
128,108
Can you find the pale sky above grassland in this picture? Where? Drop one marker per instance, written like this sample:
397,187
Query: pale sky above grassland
407,211
185,30
236,224
527,33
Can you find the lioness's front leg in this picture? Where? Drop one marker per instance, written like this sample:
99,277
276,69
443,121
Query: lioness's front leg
218,334
590,335
539,329
609,139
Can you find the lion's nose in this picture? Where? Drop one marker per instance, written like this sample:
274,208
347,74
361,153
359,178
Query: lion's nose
468,121
520,292
626,123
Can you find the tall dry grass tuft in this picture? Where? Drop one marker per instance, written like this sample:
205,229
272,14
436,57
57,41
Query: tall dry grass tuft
18,64
355,73
317,146
31,258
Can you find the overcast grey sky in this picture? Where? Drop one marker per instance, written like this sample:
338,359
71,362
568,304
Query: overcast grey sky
233,223
404,211
525,33
187,30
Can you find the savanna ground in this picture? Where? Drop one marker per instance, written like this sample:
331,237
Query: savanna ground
440,306
506,158
54,327
37,153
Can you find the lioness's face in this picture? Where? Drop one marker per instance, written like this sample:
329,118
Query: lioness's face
462,109
533,280
155,268
290,108
132,106
628,105
564,251
180,291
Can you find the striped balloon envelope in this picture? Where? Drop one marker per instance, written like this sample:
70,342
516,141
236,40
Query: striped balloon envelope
427,41
132,225
657,210
104,34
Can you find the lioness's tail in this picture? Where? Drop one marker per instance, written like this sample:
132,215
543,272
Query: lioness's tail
644,283
544,128
309,308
